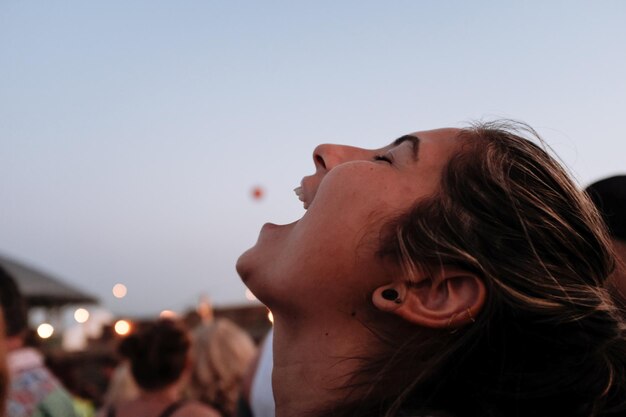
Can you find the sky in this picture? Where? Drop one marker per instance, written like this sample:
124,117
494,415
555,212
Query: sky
132,132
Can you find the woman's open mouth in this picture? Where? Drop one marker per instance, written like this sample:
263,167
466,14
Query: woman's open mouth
300,193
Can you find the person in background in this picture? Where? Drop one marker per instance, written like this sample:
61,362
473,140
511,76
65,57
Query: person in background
221,352
4,372
609,196
257,395
158,354
33,390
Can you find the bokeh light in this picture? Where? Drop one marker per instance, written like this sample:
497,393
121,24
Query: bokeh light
122,327
250,295
270,317
45,330
119,290
81,315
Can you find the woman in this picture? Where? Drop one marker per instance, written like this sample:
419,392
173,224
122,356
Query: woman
159,362
221,353
452,272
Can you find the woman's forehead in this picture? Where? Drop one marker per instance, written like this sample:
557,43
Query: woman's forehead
445,133
439,141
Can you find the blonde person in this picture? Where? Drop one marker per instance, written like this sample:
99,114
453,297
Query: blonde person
221,353
451,272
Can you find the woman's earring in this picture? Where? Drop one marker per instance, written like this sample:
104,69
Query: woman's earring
391,295
469,315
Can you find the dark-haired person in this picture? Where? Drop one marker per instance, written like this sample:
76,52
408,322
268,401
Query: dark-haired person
33,390
609,195
453,272
159,363
4,371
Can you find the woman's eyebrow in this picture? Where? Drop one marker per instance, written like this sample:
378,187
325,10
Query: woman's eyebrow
415,143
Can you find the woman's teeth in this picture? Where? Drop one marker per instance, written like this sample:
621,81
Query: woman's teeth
300,193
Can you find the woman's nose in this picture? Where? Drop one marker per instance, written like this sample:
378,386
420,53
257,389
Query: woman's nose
328,156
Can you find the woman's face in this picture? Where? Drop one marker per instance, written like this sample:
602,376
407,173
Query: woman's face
329,256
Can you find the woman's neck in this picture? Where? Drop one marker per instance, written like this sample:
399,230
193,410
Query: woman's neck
313,362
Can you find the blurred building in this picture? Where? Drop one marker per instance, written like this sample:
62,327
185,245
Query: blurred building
42,289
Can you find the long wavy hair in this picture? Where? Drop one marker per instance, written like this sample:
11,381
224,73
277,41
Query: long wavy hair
549,340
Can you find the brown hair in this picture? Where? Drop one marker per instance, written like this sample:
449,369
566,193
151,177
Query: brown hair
158,353
549,340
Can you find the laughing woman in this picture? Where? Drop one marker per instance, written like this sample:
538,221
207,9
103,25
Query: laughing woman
451,273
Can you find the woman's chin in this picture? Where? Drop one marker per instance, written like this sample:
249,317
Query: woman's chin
249,265
242,265
257,261
254,274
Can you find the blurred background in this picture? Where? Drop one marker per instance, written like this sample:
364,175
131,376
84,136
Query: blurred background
144,143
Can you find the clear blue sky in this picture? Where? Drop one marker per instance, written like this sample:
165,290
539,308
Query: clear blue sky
131,132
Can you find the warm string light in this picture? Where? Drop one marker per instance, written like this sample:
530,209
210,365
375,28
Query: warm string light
122,327
45,330
119,290
81,315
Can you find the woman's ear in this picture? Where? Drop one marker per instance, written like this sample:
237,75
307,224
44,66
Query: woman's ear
452,298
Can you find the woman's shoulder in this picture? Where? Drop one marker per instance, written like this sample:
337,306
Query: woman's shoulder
196,409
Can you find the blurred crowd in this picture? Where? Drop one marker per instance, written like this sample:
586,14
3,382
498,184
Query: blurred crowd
163,367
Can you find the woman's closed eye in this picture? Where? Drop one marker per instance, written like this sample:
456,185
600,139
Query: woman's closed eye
384,158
